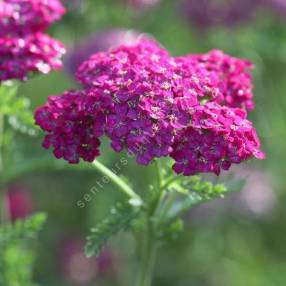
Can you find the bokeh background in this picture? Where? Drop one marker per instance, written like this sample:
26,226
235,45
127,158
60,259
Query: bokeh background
237,241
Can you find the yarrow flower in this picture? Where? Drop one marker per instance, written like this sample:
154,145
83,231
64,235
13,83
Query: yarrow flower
24,48
28,16
74,122
234,76
192,109
217,137
33,53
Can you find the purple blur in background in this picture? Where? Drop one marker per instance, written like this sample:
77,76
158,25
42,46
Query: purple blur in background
207,13
75,5
278,6
77,269
101,41
20,202
257,200
143,4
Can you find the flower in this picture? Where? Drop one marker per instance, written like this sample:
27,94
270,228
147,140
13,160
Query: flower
28,16
24,48
73,122
31,53
99,42
137,80
231,75
217,137
154,105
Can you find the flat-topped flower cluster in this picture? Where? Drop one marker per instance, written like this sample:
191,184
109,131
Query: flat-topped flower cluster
24,47
153,105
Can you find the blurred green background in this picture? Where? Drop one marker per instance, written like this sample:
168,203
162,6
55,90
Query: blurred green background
238,241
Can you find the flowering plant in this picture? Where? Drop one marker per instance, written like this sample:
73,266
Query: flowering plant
25,49
190,110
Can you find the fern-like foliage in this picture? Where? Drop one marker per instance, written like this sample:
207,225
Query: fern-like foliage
120,218
16,109
16,259
16,267
195,191
21,229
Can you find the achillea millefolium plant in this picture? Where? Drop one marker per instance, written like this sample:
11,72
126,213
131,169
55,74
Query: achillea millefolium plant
183,115
25,50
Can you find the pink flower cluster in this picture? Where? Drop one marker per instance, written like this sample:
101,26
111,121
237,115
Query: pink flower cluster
24,48
28,16
153,105
234,74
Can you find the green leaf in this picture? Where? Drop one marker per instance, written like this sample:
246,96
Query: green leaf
21,229
17,266
195,191
172,230
120,219
16,109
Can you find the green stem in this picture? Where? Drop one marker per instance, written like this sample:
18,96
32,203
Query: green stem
1,142
149,252
169,202
158,174
148,259
170,181
119,182
4,212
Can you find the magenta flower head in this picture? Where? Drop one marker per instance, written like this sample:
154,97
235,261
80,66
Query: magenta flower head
24,48
217,137
154,105
28,16
31,53
99,42
208,13
235,78
74,123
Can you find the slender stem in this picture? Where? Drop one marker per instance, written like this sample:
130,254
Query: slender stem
118,181
170,181
2,195
158,174
148,259
1,141
149,252
4,212
171,198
